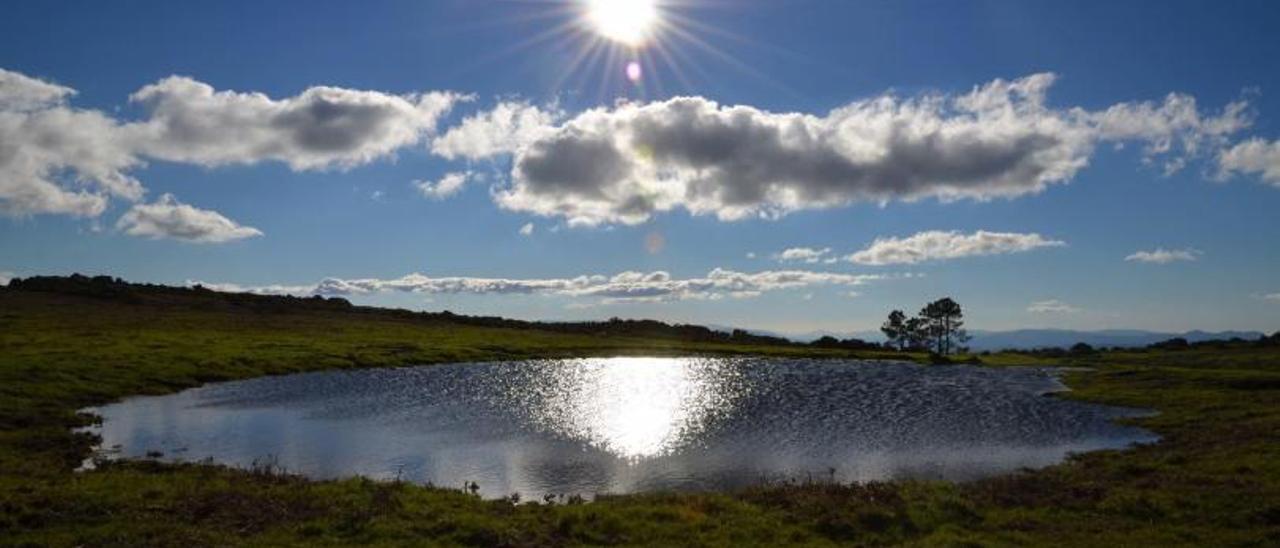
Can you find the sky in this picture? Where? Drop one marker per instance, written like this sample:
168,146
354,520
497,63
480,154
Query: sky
784,165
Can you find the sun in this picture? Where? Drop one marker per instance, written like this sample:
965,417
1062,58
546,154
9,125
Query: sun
638,46
629,22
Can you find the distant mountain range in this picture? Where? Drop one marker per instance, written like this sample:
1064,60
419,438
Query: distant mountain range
1045,338
1035,338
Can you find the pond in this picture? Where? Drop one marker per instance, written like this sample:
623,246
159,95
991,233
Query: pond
623,425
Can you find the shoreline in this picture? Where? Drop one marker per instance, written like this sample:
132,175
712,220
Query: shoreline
1056,373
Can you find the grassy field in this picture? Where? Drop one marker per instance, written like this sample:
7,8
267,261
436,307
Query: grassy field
1213,480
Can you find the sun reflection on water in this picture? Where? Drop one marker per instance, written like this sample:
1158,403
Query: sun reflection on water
635,407
624,425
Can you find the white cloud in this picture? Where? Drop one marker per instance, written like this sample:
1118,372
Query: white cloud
624,287
626,163
527,229
1254,156
751,254
257,290
501,130
168,218
1273,297
1175,128
447,186
56,159
803,254
5,276
619,164
322,127
1051,306
19,92
938,245
1161,255
623,165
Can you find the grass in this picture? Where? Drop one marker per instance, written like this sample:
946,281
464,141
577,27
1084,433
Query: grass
1214,479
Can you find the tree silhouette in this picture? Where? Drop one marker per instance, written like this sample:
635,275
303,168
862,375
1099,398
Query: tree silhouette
930,319
917,333
895,330
942,325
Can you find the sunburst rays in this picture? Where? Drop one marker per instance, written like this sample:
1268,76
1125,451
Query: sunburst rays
669,59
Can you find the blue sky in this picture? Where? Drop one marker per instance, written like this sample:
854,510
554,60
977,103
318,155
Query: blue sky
1023,157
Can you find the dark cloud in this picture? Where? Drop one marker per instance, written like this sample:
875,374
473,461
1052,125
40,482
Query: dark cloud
1001,140
320,128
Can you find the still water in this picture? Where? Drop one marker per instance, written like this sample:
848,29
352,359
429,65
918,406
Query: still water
622,425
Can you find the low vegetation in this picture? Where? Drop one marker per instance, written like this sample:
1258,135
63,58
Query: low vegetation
1213,479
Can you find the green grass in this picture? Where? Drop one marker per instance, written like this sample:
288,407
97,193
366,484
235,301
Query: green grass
1214,479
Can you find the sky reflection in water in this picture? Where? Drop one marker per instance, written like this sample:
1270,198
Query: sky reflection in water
627,424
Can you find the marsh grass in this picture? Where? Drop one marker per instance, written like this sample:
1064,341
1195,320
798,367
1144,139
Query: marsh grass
1213,479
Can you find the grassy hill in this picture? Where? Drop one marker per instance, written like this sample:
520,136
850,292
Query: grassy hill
68,343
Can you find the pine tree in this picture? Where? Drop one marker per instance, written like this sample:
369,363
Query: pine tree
943,325
895,330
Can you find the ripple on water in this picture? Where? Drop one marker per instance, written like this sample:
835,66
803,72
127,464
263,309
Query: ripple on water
627,424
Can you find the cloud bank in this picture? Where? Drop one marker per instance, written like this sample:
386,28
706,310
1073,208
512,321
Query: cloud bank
57,159
624,164
620,164
624,287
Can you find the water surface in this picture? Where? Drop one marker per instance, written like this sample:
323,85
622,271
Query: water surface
623,425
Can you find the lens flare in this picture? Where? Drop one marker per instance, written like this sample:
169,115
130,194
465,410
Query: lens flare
634,72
